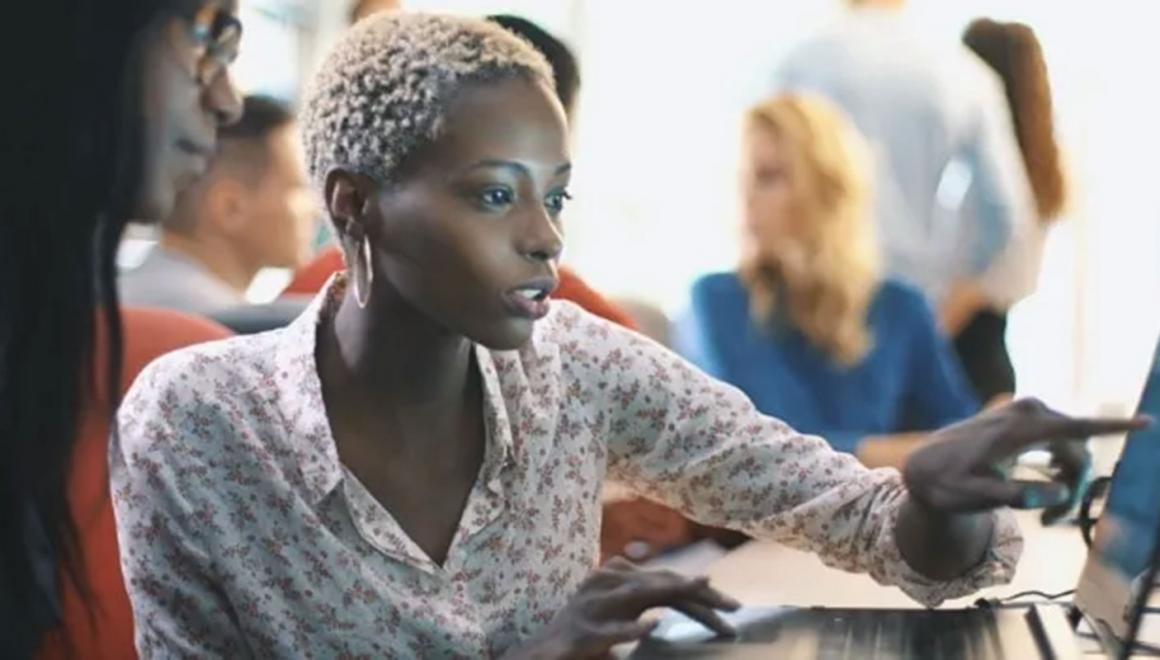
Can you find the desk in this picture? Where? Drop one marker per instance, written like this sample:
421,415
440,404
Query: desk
763,573
766,573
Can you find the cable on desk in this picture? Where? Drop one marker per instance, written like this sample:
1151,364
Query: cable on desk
1041,597
1038,594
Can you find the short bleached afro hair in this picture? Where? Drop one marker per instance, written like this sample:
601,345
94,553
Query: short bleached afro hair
383,91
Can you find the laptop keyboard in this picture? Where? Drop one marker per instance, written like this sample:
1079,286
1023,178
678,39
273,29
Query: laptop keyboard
873,634
898,635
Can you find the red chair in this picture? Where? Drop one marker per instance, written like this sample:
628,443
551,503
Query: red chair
104,629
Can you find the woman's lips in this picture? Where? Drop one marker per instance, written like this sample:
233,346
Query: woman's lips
532,299
530,308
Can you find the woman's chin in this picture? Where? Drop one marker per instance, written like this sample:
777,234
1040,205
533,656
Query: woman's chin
509,336
155,202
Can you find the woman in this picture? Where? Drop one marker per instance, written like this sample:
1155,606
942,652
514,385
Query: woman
632,527
414,467
104,125
807,327
976,314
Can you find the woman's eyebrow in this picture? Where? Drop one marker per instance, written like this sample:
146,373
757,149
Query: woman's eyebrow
514,166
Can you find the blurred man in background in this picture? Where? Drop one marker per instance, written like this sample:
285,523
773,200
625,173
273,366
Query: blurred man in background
938,122
252,209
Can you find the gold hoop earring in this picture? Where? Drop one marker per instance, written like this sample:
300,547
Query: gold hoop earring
363,271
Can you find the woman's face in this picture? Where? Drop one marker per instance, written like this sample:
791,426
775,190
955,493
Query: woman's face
471,235
766,188
188,94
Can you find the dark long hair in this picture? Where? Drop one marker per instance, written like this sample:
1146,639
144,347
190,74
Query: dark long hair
1013,51
72,145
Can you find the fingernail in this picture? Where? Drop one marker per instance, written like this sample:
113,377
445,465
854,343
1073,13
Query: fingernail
730,603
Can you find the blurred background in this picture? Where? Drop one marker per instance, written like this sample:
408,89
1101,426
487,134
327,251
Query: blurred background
656,181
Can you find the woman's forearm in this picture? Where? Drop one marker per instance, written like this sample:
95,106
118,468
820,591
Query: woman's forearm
888,450
942,546
960,305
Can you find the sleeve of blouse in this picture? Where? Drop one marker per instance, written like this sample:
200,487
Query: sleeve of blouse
699,446
164,516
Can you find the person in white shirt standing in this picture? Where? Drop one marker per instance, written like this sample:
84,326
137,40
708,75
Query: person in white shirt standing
940,130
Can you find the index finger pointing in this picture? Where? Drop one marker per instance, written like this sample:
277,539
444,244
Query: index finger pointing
1064,428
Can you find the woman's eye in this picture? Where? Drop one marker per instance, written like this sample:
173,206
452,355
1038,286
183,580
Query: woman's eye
496,197
555,201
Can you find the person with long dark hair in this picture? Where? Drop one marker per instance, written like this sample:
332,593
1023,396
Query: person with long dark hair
976,311
114,106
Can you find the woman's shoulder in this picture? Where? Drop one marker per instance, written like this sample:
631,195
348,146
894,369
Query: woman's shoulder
568,321
211,403
232,367
582,351
716,285
571,337
897,294
899,304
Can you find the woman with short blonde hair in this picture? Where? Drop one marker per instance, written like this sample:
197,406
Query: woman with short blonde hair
808,326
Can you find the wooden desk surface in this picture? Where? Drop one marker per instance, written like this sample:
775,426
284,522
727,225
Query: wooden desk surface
766,573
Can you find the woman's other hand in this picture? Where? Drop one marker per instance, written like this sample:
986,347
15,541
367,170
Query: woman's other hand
607,608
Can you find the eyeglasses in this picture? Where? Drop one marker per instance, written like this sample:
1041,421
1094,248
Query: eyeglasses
217,35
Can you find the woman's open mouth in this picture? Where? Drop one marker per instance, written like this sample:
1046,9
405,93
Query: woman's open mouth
532,300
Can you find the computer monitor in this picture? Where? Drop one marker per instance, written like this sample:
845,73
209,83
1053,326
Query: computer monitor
1120,568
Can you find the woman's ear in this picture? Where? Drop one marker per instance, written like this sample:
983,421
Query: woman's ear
347,196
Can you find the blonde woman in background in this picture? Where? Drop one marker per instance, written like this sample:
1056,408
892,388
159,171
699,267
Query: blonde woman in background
808,327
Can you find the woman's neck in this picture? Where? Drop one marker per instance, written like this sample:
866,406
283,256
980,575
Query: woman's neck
396,356
218,257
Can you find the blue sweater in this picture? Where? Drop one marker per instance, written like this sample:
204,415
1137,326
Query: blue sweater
909,381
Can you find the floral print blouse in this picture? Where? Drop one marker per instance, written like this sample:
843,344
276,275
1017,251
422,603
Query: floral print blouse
243,534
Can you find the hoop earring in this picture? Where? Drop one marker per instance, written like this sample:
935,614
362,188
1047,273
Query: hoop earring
362,294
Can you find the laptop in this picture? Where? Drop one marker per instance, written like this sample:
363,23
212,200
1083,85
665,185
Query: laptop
1110,600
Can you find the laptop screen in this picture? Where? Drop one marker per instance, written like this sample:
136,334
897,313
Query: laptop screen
1118,573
